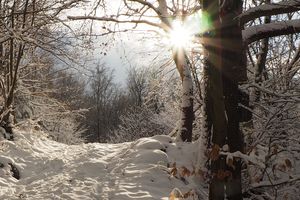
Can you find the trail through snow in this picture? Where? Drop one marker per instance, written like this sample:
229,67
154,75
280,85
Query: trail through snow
133,170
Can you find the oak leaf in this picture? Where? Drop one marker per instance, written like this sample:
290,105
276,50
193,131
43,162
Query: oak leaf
215,152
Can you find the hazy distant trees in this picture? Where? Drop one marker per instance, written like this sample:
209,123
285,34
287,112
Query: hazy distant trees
68,88
124,113
140,122
102,99
153,106
71,109
137,85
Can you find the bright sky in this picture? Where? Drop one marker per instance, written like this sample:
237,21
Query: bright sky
125,50
137,48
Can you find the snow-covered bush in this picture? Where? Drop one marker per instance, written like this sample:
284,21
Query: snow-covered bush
275,141
273,135
58,122
140,122
48,114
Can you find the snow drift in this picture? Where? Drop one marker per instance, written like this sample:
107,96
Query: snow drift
149,168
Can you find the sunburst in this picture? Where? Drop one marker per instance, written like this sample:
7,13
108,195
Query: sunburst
182,32
180,35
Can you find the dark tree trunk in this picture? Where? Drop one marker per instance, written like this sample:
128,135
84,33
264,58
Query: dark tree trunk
215,109
225,68
234,138
261,61
233,72
214,101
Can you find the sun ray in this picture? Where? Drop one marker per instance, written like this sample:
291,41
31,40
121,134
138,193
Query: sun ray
183,32
180,36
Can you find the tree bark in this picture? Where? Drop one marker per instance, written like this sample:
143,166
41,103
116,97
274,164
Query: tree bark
233,72
261,62
214,100
215,107
229,60
187,102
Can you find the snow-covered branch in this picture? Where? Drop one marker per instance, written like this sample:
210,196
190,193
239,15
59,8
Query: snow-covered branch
275,183
255,33
148,4
269,9
252,159
273,93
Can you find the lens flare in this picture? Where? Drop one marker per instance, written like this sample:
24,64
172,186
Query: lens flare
180,36
184,31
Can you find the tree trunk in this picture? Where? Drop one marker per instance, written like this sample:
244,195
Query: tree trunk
187,112
183,66
215,107
214,101
225,68
233,72
261,62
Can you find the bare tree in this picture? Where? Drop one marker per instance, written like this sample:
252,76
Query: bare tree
137,85
24,25
101,99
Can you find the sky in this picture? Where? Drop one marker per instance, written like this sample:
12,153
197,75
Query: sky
124,50
130,50
139,48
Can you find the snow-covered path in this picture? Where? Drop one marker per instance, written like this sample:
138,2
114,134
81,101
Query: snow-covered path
51,170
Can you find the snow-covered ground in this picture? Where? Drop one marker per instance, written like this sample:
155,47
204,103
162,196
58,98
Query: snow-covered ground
149,168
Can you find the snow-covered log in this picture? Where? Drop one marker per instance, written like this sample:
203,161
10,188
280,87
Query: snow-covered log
258,32
269,9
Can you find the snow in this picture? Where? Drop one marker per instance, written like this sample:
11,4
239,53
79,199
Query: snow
269,9
254,33
133,170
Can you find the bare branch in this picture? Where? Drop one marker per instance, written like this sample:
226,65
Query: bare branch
109,19
294,59
146,3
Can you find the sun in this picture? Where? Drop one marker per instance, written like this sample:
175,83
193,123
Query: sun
180,36
183,33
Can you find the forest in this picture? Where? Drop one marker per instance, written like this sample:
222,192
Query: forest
150,99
